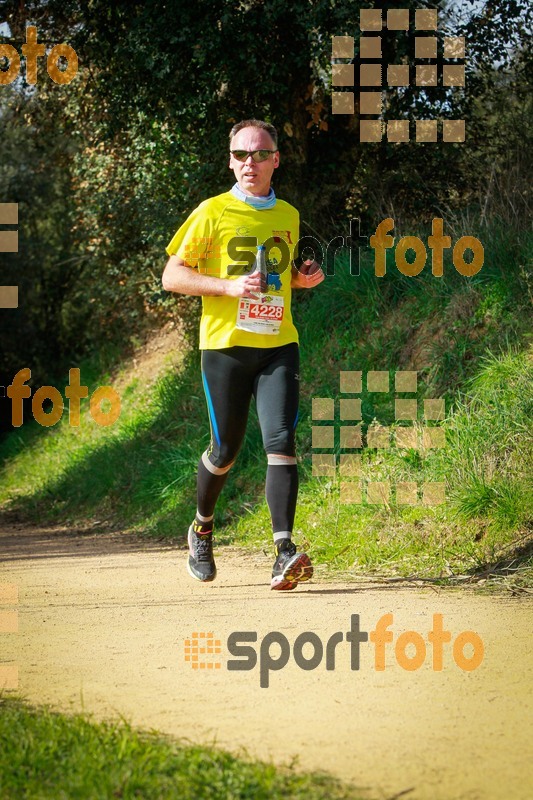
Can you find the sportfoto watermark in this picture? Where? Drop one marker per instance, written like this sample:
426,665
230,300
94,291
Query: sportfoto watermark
274,650
437,243
243,250
32,51
74,391
375,77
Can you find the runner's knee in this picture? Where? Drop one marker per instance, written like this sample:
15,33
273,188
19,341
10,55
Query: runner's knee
282,443
218,464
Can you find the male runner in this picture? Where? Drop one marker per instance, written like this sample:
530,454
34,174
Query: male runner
248,341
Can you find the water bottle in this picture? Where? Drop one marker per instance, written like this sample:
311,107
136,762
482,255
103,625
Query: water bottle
260,260
260,264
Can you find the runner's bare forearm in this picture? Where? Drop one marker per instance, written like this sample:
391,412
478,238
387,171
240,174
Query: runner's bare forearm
180,278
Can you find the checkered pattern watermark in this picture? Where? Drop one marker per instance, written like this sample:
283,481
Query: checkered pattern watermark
374,76
201,650
9,623
201,247
9,243
350,437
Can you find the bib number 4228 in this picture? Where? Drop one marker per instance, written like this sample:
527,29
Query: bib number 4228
264,311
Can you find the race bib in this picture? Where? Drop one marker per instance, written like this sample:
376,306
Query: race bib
261,315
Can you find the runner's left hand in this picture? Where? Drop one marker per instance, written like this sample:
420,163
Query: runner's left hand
309,275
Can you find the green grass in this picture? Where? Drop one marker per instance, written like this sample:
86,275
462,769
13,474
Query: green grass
490,436
471,337
51,756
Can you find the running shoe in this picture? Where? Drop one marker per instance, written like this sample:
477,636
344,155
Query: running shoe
290,567
201,564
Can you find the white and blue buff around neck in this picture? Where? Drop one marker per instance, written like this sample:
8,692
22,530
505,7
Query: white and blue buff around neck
261,203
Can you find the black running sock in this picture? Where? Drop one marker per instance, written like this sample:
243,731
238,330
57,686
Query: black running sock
209,487
279,542
199,526
281,491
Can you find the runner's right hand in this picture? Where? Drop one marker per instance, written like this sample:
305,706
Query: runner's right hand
246,285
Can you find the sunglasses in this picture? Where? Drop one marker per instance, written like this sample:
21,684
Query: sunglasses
257,155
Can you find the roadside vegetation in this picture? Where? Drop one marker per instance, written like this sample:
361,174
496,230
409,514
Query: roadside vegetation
50,756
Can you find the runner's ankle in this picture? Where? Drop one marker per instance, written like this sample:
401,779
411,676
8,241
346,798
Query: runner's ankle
202,526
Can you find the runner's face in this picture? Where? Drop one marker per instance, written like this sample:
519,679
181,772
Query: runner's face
253,178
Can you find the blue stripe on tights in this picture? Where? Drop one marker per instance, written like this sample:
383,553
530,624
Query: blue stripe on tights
211,409
295,419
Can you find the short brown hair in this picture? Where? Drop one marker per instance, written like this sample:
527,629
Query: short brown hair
255,123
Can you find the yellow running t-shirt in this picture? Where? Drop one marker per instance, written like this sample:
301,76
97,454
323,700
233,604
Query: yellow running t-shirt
220,238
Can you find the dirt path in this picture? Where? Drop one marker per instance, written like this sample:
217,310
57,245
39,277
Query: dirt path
102,624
